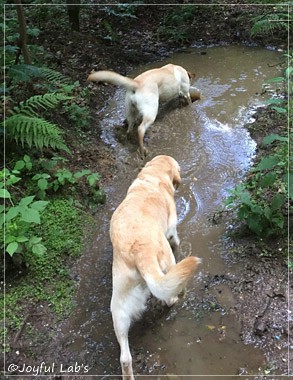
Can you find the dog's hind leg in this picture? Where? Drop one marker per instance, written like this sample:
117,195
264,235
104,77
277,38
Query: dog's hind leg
147,121
121,323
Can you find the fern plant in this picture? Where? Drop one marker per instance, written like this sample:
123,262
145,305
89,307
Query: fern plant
25,126
268,23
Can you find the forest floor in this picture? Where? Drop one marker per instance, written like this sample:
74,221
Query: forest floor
261,286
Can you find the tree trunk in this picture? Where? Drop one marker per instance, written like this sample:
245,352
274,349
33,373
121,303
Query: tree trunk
22,32
73,13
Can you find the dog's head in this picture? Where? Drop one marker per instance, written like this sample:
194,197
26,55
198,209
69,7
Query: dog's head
191,76
167,165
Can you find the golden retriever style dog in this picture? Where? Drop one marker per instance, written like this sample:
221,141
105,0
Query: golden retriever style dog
143,233
145,91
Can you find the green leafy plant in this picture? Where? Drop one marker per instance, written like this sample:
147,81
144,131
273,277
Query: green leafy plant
45,176
277,103
62,233
261,200
18,219
174,24
56,179
79,115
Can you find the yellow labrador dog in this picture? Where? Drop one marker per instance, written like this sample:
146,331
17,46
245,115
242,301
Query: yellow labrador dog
142,231
145,91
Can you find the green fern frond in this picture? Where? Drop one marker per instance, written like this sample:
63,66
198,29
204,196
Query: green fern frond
24,72
34,131
54,76
270,23
47,101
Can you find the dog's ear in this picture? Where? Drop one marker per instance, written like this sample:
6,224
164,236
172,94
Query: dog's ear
176,178
191,75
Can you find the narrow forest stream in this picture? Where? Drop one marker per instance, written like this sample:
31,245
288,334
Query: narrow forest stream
200,335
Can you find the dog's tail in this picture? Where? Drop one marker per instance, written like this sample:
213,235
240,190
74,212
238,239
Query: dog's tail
113,78
167,286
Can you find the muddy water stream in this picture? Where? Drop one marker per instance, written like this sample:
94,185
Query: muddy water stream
200,335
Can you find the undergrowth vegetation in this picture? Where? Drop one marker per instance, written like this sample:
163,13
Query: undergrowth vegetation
262,201
44,201
46,279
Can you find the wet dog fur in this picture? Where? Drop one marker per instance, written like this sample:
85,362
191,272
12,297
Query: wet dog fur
142,231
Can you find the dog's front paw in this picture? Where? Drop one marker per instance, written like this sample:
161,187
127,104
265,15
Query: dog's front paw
142,152
170,302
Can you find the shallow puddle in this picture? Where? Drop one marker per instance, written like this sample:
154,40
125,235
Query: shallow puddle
200,335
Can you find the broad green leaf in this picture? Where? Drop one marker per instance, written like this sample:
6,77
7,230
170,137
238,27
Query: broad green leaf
42,184
289,71
254,224
279,109
82,173
267,163
28,162
4,194
39,205
34,240
256,209
93,178
31,216
12,179
245,198
277,201
267,213
12,248
26,201
19,165
268,179
12,213
273,137
274,101
39,249
21,239
279,221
